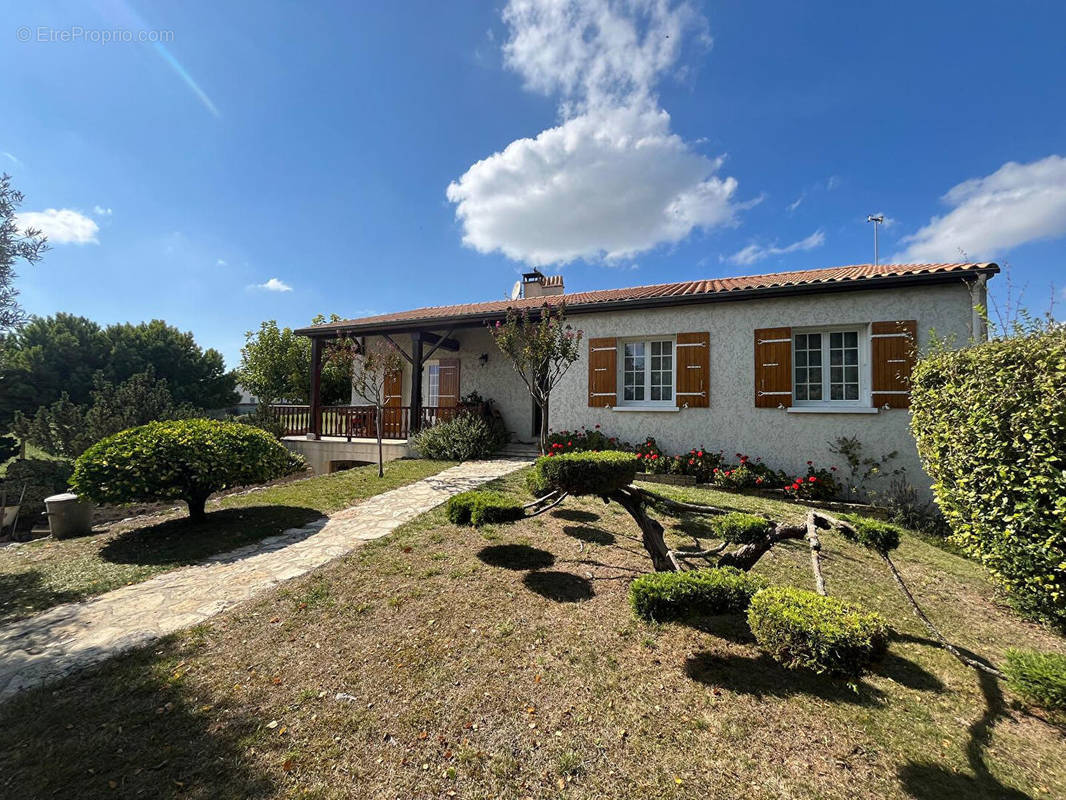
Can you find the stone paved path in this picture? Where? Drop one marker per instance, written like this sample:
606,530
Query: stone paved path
56,642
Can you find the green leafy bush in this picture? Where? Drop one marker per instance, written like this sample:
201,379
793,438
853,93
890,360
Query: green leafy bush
536,483
990,423
483,507
1040,678
803,629
584,440
180,460
42,477
882,537
588,473
463,438
739,528
663,596
9,447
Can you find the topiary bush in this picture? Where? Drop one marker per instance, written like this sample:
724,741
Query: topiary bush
588,473
882,537
990,424
739,528
463,438
663,596
799,628
42,478
180,460
536,483
483,507
1040,678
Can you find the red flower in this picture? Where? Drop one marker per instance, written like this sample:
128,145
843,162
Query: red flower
654,456
715,470
812,479
690,461
833,468
569,444
758,480
700,454
809,463
597,427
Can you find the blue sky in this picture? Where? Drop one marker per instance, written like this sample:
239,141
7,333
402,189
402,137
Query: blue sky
279,160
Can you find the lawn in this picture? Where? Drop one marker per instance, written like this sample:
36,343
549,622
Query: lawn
504,663
43,573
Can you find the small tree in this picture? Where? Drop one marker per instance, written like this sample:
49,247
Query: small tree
27,244
276,365
370,366
541,349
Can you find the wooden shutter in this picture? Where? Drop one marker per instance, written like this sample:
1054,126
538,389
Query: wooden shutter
693,370
892,350
449,382
394,388
603,376
773,367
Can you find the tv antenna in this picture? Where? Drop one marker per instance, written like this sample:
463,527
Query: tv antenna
876,219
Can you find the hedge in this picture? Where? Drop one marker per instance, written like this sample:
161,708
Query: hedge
739,528
990,423
802,629
588,473
483,507
663,596
180,460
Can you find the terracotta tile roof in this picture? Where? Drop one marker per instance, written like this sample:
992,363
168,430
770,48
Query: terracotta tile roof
663,293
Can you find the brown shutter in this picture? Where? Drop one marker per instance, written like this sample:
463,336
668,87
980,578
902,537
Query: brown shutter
693,370
773,367
603,373
449,382
892,351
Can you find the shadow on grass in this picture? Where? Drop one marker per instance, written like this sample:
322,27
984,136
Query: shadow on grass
562,587
178,542
23,593
764,677
575,515
929,781
126,729
587,533
516,556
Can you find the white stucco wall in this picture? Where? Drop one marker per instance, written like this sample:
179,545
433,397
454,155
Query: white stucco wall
732,422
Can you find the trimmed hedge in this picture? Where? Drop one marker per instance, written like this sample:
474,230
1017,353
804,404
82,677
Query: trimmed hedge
990,423
800,629
464,438
882,537
479,508
536,483
1040,678
739,528
180,460
663,596
588,473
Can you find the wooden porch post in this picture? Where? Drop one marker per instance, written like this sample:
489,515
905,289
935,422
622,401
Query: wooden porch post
316,387
416,383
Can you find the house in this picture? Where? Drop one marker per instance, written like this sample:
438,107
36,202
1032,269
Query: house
776,366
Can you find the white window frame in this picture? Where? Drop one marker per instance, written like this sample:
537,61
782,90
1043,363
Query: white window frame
864,399
621,402
432,392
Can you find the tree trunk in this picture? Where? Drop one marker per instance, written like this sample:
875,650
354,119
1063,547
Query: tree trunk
380,414
543,404
196,502
747,555
651,531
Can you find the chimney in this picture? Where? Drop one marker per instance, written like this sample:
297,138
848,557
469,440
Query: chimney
536,284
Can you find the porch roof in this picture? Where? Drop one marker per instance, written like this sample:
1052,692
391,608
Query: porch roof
857,276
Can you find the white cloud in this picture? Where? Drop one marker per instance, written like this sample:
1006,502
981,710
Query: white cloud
797,202
610,180
754,252
221,263
100,211
832,182
1017,203
11,157
273,285
61,225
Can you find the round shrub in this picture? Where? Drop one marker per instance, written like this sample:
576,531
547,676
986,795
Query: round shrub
663,596
463,438
875,534
804,629
739,528
180,460
42,478
990,425
1040,678
588,473
483,507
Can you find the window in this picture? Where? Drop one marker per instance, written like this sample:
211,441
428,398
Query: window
433,387
826,367
647,368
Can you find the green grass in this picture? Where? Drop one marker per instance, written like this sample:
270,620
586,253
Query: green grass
506,663
47,572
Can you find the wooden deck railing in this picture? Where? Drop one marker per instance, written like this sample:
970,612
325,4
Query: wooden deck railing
358,422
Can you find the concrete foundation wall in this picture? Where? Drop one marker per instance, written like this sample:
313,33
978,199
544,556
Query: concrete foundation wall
322,454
